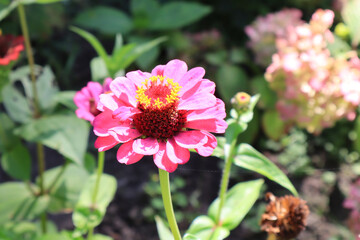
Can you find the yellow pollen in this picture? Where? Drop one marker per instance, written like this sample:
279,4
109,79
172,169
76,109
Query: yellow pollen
147,101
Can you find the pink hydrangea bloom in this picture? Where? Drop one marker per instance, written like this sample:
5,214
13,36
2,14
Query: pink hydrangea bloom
314,89
163,113
87,99
264,31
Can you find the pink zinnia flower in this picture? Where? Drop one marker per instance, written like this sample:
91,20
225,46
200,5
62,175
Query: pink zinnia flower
163,113
87,99
10,48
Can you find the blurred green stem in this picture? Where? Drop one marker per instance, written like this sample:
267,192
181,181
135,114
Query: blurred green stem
30,58
36,114
58,176
100,169
166,196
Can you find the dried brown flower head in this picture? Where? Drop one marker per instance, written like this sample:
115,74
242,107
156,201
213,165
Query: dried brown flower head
285,217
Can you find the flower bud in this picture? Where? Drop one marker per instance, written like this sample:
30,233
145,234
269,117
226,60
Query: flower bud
241,102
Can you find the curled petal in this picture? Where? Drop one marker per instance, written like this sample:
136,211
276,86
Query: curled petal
123,113
126,154
103,122
124,133
162,161
175,69
124,89
208,148
146,146
107,100
105,143
190,139
176,153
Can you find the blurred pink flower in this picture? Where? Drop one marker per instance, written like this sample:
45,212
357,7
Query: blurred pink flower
163,113
314,89
87,99
10,48
265,30
353,203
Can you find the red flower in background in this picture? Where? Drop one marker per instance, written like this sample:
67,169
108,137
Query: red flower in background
10,48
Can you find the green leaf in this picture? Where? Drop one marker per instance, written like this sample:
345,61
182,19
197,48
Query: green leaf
219,150
163,231
178,14
65,193
268,97
190,237
101,237
7,10
238,55
338,47
217,58
357,130
204,228
148,58
273,125
138,51
66,134
106,20
143,12
18,203
17,162
16,105
86,215
230,80
247,157
66,98
231,134
350,14
94,43
7,138
47,89
99,70
239,200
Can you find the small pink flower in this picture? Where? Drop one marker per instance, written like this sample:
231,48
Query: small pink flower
10,48
163,113
87,99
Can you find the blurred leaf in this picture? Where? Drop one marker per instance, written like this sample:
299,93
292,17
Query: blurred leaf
143,12
350,14
204,228
139,50
190,237
7,10
66,191
101,237
16,105
238,55
219,150
178,14
17,162
18,203
338,48
267,96
273,125
163,231
66,98
66,134
357,130
99,70
231,134
217,58
106,20
54,236
252,129
94,43
247,157
7,138
47,89
231,79
239,200
86,215
149,57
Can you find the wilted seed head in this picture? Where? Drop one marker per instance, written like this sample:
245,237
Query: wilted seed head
241,102
284,216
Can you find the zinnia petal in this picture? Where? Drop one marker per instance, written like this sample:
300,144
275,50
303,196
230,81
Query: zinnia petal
162,161
176,153
124,89
146,146
175,69
105,143
190,139
208,148
126,154
138,77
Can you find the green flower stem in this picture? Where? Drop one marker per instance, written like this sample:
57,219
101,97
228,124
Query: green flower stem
100,169
166,196
101,159
225,179
30,58
58,176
